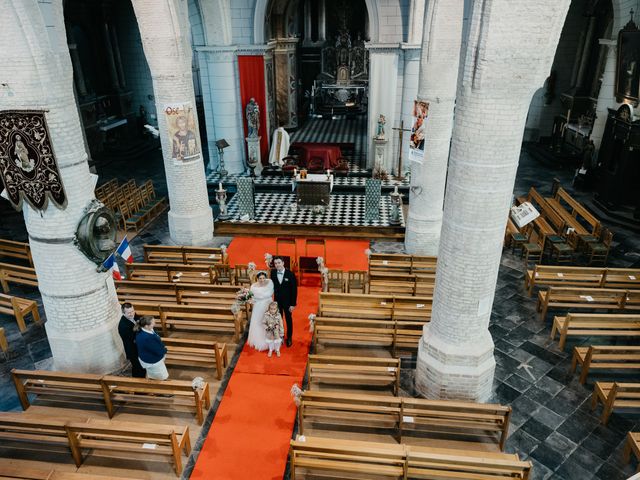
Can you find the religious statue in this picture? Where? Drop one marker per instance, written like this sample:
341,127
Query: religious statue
380,131
252,112
23,161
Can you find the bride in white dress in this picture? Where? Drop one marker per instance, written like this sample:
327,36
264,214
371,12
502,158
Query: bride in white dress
262,296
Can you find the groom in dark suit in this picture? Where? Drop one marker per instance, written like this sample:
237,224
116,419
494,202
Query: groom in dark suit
285,292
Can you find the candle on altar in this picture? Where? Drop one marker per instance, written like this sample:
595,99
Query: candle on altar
396,189
295,172
219,185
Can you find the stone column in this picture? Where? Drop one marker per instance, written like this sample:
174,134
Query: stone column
81,305
223,114
511,49
284,58
116,55
164,30
442,36
606,96
77,70
322,21
383,86
416,21
111,62
409,94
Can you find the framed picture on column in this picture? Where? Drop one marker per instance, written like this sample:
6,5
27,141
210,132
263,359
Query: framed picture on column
627,87
417,139
183,131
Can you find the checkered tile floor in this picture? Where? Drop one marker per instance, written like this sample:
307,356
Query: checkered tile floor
345,210
214,178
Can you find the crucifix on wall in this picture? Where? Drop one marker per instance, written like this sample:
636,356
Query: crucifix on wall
401,131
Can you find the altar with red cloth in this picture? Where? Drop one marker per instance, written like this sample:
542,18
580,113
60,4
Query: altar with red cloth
318,156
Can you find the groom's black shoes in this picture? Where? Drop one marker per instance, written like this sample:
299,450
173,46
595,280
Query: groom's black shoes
288,342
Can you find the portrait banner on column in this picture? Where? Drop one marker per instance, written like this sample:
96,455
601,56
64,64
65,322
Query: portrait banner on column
28,167
182,130
417,139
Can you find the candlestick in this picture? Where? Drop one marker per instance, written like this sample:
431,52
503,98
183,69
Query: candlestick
219,185
396,189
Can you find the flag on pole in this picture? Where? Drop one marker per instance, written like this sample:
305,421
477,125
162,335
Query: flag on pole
111,264
125,251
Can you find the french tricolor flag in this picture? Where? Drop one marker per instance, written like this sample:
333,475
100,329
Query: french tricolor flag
111,264
124,250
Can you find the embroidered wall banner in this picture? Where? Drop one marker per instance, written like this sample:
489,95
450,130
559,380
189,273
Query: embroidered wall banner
28,166
182,128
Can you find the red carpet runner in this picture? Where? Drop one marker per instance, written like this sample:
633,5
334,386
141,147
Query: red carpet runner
249,437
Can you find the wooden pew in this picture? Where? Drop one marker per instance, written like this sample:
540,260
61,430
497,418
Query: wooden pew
197,318
20,427
604,358
197,353
450,464
129,437
578,210
393,263
109,389
632,444
587,299
615,395
170,272
182,293
346,370
592,325
142,390
569,219
565,276
183,254
388,333
314,457
16,274
403,284
13,249
80,386
406,417
19,308
20,472
352,305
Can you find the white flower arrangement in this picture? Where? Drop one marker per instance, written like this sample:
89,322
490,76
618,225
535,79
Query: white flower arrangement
267,259
296,393
197,383
367,252
235,308
251,266
312,319
319,260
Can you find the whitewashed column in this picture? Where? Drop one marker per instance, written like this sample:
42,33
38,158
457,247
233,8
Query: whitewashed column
164,30
409,95
440,57
383,86
81,305
219,72
511,48
606,96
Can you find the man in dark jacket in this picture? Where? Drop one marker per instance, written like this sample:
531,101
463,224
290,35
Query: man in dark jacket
128,336
285,292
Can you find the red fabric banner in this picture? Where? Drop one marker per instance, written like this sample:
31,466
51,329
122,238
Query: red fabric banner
252,84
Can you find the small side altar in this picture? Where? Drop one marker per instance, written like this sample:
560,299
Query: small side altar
314,189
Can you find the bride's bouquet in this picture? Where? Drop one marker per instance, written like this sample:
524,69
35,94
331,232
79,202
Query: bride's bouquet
243,296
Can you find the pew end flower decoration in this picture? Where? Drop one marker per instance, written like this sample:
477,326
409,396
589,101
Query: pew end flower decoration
243,296
296,393
267,259
367,252
312,320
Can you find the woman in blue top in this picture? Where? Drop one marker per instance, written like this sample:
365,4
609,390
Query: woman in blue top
151,350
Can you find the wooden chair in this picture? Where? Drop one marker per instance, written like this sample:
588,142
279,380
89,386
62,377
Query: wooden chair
308,263
223,274
356,282
532,250
599,251
19,308
563,252
632,445
242,275
335,281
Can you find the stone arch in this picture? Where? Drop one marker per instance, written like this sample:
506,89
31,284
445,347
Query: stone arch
260,13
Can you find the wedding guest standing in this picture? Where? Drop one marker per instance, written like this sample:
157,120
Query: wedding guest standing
151,350
273,328
126,327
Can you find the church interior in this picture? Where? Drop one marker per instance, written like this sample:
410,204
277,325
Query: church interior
320,239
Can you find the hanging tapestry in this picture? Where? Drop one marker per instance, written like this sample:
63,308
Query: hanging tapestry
28,166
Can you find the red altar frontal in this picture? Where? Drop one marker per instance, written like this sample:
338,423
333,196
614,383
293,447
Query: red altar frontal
318,156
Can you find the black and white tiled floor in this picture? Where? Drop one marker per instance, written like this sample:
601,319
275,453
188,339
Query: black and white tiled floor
281,208
348,182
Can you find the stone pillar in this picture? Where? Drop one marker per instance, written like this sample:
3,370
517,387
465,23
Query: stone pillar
409,94
442,36
284,57
77,70
164,30
511,49
219,77
416,21
116,55
111,62
383,86
322,21
379,153
81,305
606,96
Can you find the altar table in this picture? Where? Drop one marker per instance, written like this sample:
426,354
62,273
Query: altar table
313,190
329,155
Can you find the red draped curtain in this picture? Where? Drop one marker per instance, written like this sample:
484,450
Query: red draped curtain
252,84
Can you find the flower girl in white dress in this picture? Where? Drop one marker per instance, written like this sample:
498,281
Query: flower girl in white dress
262,296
